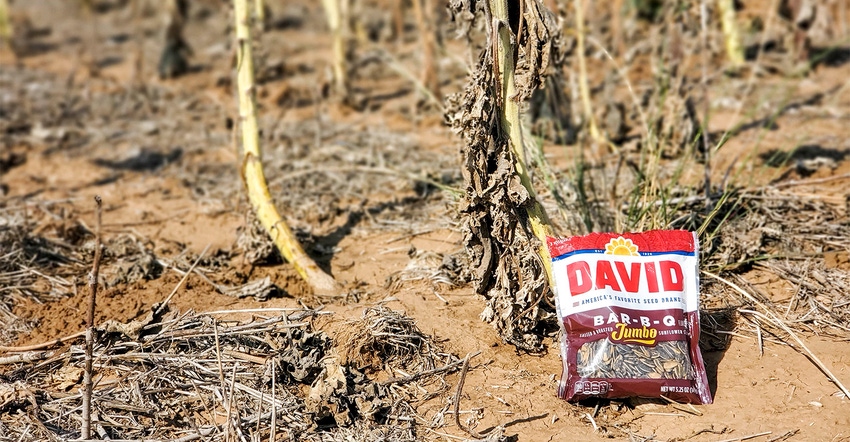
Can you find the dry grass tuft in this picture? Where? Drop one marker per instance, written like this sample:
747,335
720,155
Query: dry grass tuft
387,339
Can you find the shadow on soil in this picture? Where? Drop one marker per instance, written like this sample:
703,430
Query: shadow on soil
769,121
779,158
146,160
329,241
715,325
515,437
830,56
751,52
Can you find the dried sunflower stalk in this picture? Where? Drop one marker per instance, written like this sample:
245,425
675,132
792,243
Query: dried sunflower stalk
504,225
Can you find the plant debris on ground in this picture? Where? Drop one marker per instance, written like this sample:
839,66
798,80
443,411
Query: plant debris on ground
196,375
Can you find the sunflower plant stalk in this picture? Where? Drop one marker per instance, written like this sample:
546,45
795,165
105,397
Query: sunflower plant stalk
335,10
734,49
425,24
511,121
505,229
5,24
584,87
260,12
252,167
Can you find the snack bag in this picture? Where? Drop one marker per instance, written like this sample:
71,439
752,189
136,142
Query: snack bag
629,308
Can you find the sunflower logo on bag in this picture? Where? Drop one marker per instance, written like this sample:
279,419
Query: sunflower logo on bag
621,246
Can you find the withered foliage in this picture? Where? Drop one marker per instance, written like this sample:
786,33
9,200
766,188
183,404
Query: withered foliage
503,250
437,269
550,112
541,47
191,376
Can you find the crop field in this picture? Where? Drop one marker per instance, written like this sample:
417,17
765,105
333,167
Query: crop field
322,221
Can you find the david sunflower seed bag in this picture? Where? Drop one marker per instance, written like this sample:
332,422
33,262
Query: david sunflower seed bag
629,308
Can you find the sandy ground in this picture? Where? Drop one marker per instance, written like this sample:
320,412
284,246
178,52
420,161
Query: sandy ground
85,124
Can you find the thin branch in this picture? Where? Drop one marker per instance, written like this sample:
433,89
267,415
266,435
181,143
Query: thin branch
43,345
747,437
26,357
460,383
85,431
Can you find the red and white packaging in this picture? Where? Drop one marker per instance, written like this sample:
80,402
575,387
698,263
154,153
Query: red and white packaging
629,308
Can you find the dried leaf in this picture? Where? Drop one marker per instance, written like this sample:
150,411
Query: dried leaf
502,248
